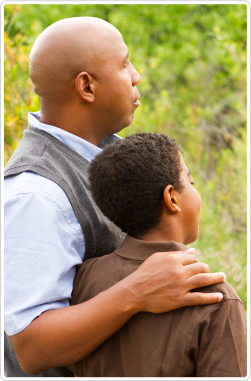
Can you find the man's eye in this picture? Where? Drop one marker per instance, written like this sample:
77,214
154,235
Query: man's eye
126,64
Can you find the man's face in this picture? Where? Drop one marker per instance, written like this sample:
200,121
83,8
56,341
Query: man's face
117,95
190,203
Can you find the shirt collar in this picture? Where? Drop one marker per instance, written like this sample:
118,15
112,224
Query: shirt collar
81,146
140,250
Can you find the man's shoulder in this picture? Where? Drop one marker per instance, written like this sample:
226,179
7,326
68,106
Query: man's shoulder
30,182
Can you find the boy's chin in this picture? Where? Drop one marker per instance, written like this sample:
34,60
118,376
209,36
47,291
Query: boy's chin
191,240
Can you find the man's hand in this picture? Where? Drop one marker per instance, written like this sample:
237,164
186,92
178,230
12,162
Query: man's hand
66,335
164,281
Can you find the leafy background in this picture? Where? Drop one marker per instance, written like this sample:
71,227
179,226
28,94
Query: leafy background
192,60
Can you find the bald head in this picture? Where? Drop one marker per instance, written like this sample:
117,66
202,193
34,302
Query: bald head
65,49
85,81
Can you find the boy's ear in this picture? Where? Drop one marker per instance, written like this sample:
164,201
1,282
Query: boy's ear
170,200
85,87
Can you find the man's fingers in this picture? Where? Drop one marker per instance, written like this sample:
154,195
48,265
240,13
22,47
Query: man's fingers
202,280
181,259
199,298
186,259
196,268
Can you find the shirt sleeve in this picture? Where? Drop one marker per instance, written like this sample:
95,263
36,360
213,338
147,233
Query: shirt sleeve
43,244
220,341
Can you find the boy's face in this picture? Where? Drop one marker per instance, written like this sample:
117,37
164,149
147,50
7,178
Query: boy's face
189,203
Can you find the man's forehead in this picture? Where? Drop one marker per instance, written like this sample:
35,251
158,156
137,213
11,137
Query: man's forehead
115,50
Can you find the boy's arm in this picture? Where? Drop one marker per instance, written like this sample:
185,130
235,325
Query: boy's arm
222,334
63,336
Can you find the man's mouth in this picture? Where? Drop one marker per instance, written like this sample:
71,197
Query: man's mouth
136,100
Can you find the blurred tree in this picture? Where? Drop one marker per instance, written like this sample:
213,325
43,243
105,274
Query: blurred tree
18,94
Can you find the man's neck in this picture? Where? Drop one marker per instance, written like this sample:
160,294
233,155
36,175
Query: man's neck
80,125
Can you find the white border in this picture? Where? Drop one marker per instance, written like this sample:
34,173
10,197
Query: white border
248,171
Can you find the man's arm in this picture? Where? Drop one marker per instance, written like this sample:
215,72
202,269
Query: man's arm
63,336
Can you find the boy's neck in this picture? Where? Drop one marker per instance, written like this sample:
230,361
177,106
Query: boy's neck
164,234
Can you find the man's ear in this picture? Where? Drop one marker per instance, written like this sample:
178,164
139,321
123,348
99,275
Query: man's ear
85,87
170,200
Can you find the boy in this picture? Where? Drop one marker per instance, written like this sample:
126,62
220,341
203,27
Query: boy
142,184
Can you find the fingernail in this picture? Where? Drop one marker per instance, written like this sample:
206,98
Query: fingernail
220,297
225,277
191,251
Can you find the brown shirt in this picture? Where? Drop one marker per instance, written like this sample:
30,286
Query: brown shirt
202,341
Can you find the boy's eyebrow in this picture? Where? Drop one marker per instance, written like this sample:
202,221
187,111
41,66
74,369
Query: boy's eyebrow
189,172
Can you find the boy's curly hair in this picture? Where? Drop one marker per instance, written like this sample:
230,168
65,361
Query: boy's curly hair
128,177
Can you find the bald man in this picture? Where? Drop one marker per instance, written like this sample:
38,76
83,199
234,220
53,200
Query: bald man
87,92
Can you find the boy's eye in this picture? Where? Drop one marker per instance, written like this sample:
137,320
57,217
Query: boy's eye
126,64
192,183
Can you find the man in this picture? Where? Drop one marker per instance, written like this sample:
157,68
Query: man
87,92
146,174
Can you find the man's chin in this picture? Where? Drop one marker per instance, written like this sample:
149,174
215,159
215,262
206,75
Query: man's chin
129,120
127,123
123,124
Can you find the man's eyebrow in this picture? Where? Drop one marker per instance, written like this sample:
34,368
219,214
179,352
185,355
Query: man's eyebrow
126,57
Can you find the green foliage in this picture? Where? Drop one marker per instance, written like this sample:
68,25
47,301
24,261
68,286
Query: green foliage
19,97
192,60
223,232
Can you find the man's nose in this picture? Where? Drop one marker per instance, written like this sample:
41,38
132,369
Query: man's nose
136,78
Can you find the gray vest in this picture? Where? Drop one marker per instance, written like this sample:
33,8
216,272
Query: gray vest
47,156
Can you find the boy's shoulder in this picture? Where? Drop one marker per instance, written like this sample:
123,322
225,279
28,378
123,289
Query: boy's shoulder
231,304
225,288
98,274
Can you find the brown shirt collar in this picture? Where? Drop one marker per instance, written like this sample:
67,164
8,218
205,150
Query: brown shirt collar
139,250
